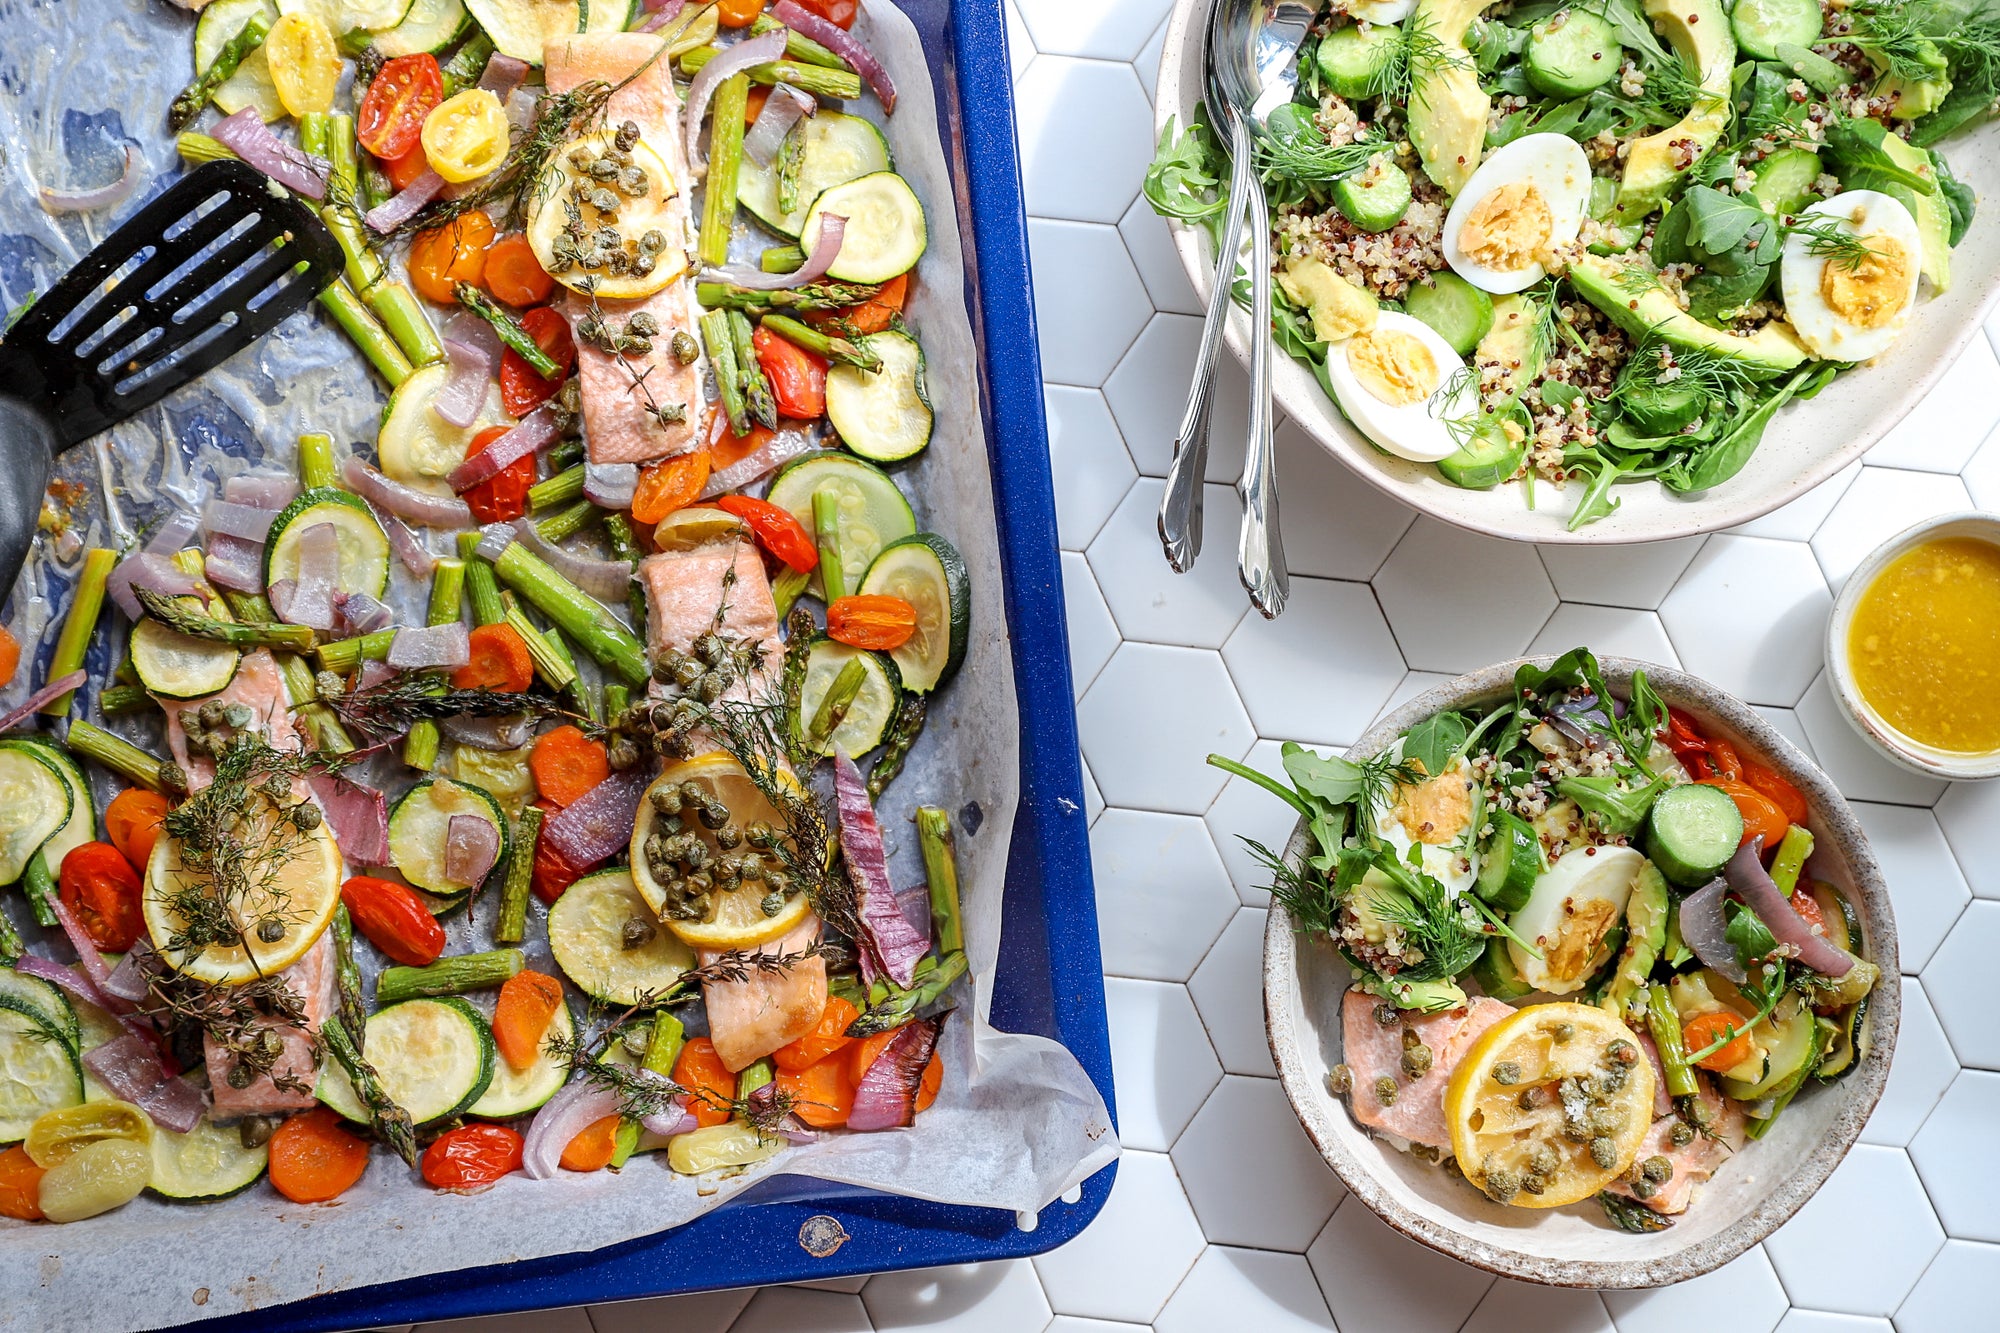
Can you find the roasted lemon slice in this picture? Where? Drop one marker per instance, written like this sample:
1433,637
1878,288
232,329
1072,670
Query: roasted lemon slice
1549,1106
735,917
291,884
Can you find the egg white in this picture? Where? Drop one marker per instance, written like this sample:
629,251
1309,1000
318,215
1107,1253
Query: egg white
1557,168
1441,862
1381,11
1801,272
1415,431
1564,894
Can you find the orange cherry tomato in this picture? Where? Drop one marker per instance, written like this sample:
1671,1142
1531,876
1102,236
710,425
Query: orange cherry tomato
775,529
798,377
1761,815
403,171
394,920
522,388
98,884
701,1071
20,1185
672,484
738,13
10,656
1777,790
132,822
472,1157
871,620
450,253
1704,1030
502,497
391,115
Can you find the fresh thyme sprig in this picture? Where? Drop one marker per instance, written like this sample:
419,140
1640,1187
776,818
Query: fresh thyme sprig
391,706
642,1092
241,1020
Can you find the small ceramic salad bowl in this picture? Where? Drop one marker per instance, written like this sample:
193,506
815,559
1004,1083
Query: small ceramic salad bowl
1761,1143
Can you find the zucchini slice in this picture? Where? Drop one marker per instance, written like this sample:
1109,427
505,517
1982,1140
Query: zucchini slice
82,825
343,16
174,665
39,1071
873,510
435,1057
521,28
420,825
925,570
427,26
885,235
1849,1045
884,415
207,1163
586,935
834,148
364,550
38,999
34,803
869,716
418,447
251,84
518,1091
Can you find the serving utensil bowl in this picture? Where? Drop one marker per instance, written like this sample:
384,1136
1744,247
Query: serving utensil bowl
1806,443
1751,1195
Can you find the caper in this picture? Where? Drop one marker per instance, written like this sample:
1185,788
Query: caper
602,169
1412,1038
1387,1014
637,933
581,157
1622,1051
1385,1090
1543,1161
1644,1189
694,791
644,325
1604,1152
305,816
1533,1098
623,753
238,715
213,713
269,1043
687,673
190,720
699,884
772,903
1681,1135
634,181
685,348
1506,1073
778,881
635,1040
1417,1061
627,136
760,834
714,815
1501,1185
1533,1184
173,777
711,688
1657,1169
1698,1112
1562,1032
651,243
709,647
1340,1080
254,1131
240,1076
1424,1152
729,836
1604,1120
270,930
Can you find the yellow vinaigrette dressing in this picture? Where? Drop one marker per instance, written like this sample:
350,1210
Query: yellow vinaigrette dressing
1924,644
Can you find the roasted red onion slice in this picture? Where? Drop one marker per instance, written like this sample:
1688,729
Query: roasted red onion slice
663,14
732,60
1706,930
1754,885
471,846
409,547
246,135
174,532
779,449
489,733
574,1108
494,539
311,602
151,571
262,489
535,431
826,248
249,522
131,1068
358,817
842,43
599,823
605,580
610,485
87,955
503,75
54,689
893,944
235,564
886,1097
472,368
97,196
784,108
440,647
392,213
361,614
129,980
433,511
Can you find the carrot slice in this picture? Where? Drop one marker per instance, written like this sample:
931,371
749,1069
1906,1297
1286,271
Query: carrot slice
314,1158
1704,1030
566,764
528,1001
927,1090
591,1149
701,1071
514,275
20,1185
827,1037
499,661
822,1092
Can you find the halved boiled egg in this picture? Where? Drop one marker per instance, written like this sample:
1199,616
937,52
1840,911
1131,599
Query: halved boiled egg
1401,382
1436,814
1847,307
1526,200
1574,906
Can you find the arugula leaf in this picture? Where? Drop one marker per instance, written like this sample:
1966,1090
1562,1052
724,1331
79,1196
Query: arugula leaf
1559,395
1619,811
1716,463
1596,501
1436,741
1189,175
1634,32
1753,942
1645,712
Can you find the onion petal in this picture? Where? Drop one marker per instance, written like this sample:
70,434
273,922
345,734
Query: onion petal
399,208
537,430
777,450
1754,885
132,1069
246,135
235,564
842,43
357,816
886,1096
174,533
731,61
605,580
249,522
494,539
893,945
430,647
784,108
151,571
432,511
319,573
503,74
610,485
1706,931
575,1107
598,824
54,689
262,489
464,393
97,196
471,846
826,249
409,547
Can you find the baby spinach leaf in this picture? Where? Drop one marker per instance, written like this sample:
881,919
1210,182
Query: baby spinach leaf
1436,741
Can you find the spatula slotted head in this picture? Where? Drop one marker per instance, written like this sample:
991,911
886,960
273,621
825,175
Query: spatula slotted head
186,282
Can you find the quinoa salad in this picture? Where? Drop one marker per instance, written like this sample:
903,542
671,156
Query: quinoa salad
1589,959
1577,243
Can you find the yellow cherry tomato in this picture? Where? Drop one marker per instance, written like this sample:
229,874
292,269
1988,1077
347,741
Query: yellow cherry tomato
465,137
305,64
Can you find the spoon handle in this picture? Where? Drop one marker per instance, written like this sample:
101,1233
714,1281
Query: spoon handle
1180,509
1260,555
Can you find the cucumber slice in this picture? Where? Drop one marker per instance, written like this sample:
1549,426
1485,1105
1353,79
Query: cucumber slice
521,28
1509,863
435,1057
174,665
518,1091
418,447
207,1163
428,26
364,550
883,415
1762,26
1496,974
1691,833
39,1072
1375,197
885,235
873,510
834,148
586,935
925,570
82,824
420,825
1574,52
1354,61
1459,311
251,84
344,16
1790,1043
34,803
868,717
38,999
1490,456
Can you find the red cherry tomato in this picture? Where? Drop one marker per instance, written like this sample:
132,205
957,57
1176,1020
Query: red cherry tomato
391,116
502,497
798,377
522,388
472,1157
394,920
775,529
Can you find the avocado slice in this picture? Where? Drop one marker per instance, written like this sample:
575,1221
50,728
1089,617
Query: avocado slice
1932,213
1511,340
1637,303
1447,105
1698,30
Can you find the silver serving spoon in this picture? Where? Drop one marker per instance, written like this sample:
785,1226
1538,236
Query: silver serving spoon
1252,70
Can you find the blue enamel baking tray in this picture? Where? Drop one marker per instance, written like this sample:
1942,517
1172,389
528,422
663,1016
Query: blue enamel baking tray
1050,980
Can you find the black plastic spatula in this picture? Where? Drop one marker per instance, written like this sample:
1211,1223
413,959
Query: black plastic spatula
188,281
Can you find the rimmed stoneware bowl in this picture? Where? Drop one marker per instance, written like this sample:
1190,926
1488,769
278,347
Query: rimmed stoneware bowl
1750,1197
1891,744
1805,444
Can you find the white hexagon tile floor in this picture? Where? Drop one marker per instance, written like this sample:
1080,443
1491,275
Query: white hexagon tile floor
1223,1217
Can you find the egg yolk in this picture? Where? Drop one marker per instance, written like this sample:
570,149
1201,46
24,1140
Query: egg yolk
1871,293
1508,229
1392,365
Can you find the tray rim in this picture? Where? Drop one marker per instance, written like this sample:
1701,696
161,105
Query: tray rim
757,1245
